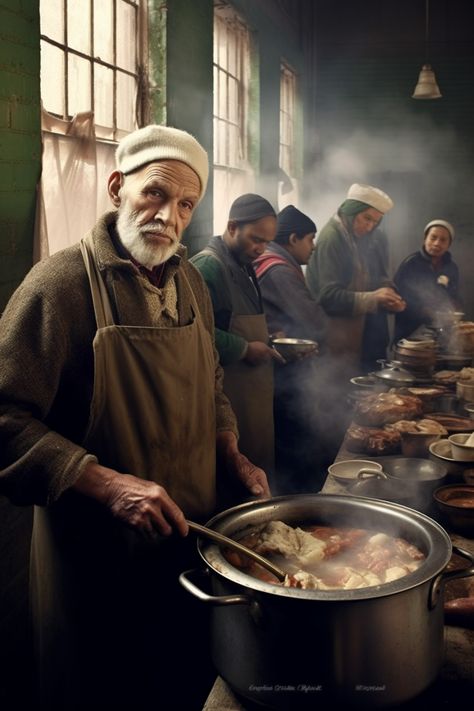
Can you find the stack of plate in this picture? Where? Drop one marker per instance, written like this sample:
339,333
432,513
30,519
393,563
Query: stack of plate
417,356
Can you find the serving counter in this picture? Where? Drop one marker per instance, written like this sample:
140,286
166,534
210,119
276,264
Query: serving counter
455,682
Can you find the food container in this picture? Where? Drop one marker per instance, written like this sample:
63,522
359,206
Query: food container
301,649
456,504
392,375
404,480
461,451
293,348
417,444
465,390
469,408
441,452
347,471
452,423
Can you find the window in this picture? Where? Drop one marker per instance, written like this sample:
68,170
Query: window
233,174
287,186
93,93
90,62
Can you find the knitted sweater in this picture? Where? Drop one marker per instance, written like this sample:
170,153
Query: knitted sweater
331,268
47,372
428,291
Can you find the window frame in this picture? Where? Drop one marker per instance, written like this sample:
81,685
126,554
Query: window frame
140,113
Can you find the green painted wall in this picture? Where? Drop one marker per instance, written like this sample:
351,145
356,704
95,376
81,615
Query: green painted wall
189,91
20,138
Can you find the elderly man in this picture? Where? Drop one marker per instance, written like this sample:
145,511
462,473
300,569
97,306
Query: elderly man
347,274
428,280
242,338
111,405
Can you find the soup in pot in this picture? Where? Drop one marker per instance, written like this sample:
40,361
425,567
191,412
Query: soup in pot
328,558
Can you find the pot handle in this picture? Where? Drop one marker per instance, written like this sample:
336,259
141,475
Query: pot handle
192,588
365,474
451,575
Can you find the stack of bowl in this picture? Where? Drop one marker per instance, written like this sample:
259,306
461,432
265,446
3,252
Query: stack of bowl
454,453
417,356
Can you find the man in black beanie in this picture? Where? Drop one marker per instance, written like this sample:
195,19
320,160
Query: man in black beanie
290,307
242,338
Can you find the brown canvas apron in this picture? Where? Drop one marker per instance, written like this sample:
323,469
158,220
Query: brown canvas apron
152,415
344,333
250,391
152,412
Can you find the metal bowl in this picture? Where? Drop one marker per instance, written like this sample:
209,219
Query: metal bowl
347,471
440,451
293,348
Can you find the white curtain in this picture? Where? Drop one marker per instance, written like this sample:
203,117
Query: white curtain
72,192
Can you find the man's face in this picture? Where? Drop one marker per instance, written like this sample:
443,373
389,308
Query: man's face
303,248
249,241
366,221
156,205
437,241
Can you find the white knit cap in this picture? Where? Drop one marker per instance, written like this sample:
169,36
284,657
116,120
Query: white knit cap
441,223
153,143
371,196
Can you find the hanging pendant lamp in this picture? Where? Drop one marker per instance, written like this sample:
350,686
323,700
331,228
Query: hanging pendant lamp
426,88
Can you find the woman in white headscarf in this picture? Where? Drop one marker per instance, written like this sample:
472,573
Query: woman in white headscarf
347,273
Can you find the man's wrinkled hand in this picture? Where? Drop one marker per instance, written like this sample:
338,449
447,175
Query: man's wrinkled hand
252,477
140,504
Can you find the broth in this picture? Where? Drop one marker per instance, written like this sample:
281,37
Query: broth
328,558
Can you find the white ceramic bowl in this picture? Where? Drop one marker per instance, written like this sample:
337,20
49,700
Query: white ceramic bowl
347,471
469,408
461,451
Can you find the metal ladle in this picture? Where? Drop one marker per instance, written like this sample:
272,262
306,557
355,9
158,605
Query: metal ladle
230,543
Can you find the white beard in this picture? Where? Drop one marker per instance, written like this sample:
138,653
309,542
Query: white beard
135,241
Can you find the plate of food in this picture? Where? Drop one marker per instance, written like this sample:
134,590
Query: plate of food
452,423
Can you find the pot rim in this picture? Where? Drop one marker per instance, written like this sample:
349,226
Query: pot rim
436,542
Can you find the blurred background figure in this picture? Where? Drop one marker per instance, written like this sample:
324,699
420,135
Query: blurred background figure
291,310
241,333
428,280
347,274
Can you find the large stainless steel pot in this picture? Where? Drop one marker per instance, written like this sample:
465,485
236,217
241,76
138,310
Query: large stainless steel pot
290,648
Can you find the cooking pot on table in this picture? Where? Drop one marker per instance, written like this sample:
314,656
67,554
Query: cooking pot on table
392,375
293,648
410,481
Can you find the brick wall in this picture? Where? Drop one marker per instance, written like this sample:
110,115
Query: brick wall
20,155
20,139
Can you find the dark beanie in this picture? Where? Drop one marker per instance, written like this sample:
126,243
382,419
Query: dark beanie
291,220
250,208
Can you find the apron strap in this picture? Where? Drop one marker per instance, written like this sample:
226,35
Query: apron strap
100,297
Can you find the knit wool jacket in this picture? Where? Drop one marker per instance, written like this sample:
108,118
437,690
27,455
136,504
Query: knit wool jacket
47,360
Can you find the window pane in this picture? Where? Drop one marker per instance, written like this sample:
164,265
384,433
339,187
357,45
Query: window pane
52,78
232,54
222,95
79,85
233,100
215,93
52,19
104,96
103,34
234,146
78,25
125,102
222,46
126,34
